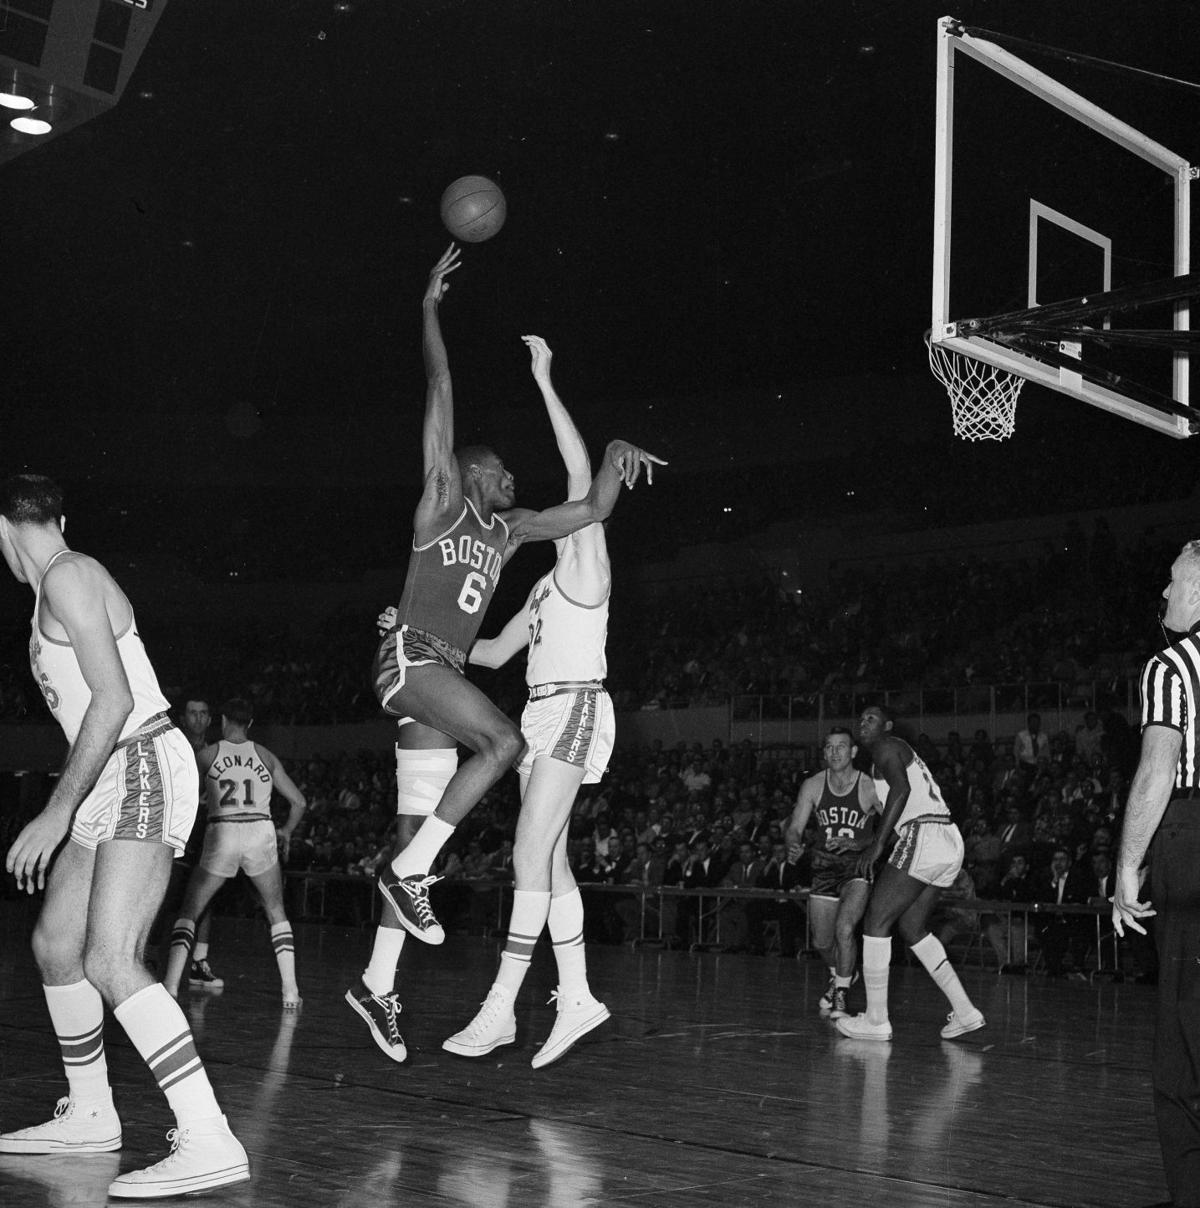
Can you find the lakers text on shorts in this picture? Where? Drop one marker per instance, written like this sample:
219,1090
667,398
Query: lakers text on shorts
833,871
929,850
404,648
147,791
577,728
245,843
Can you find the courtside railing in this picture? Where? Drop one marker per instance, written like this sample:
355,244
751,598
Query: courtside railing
716,922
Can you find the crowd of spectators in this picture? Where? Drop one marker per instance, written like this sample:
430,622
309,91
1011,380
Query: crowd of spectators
1082,614
1036,809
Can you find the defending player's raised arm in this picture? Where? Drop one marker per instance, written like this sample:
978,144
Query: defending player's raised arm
442,493
495,652
623,463
73,591
809,795
570,444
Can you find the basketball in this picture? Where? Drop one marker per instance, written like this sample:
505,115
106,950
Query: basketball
473,208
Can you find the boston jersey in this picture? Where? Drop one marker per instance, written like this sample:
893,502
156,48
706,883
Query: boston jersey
924,796
566,638
452,578
841,815
56,669
238,783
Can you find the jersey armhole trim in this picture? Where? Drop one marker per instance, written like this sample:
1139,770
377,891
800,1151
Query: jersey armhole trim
580,603
446,533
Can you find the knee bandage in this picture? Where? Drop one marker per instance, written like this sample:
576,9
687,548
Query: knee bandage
421,779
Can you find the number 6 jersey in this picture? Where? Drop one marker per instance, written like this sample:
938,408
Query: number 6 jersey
451,578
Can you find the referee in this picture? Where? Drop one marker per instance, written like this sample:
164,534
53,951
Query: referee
1164,806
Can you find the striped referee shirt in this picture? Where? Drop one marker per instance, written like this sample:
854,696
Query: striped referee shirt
1170,689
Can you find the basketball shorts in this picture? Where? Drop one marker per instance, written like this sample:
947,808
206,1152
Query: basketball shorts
929,850
239,844
833,871
404,648
576,728
147,791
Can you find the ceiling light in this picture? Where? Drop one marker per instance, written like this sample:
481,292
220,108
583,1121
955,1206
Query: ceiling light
31,125
9,100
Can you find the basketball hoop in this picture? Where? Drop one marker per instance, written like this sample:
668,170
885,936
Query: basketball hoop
983,399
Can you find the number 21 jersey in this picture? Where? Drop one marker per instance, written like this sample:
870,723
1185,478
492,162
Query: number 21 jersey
451,579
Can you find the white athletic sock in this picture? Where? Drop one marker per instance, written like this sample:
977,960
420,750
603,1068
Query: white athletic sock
183,936
380,974
418,857
932,955
566,933
153,1021
77,1012
530,910
284,944
876,962
200,951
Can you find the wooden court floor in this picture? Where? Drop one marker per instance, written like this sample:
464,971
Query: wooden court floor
716,1083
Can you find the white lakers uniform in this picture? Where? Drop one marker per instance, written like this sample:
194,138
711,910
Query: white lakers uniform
569,716
238,787
147,789
929,847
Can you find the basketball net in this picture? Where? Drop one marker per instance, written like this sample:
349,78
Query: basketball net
983,399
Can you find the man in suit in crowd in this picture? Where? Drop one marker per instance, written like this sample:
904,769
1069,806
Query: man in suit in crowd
1063,886
702,871
783,874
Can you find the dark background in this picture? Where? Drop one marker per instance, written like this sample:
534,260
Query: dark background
720,216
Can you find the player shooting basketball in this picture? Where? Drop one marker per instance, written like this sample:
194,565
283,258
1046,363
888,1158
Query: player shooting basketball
464,531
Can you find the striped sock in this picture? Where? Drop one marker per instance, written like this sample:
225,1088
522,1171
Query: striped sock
529,911
77,1012
153,1021
183,936
876,962
285,955
932,955
566,933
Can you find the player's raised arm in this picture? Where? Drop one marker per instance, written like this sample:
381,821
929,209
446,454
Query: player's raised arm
570,444
442,493
623,463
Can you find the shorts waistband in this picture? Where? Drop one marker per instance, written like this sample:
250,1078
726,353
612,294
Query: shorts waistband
239,817
1182,809
157,724
541,691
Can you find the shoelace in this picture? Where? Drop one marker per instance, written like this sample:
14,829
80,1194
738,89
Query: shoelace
391,1011
62,1107
418,891
487,1015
